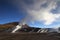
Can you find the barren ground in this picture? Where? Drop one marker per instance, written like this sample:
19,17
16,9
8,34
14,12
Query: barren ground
29,36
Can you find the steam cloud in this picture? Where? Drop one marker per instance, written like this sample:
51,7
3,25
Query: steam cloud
39,10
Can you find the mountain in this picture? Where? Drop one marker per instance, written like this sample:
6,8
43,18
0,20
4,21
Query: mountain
5,27
27,32
9,27
26,28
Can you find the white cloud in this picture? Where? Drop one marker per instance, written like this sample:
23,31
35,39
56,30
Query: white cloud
36,12
39,13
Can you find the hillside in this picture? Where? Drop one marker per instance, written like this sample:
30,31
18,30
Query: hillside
8,25
5,27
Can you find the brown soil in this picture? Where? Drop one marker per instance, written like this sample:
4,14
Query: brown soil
29,36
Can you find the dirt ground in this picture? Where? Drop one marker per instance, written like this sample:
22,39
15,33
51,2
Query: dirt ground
29,36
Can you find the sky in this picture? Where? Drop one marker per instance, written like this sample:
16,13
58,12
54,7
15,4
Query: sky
9,12
35,13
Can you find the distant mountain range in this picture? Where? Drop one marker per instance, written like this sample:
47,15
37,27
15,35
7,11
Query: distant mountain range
9,27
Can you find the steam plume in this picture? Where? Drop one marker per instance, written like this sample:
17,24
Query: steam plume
19,26
38,10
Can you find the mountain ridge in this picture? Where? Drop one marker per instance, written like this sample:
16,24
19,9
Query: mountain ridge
9,27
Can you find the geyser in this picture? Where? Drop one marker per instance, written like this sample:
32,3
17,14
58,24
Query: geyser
38,10
19,26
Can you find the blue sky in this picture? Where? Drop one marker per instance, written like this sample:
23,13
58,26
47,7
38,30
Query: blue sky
14,10
9,12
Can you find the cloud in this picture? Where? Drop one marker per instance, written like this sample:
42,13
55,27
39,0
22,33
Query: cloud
43,14
39,10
